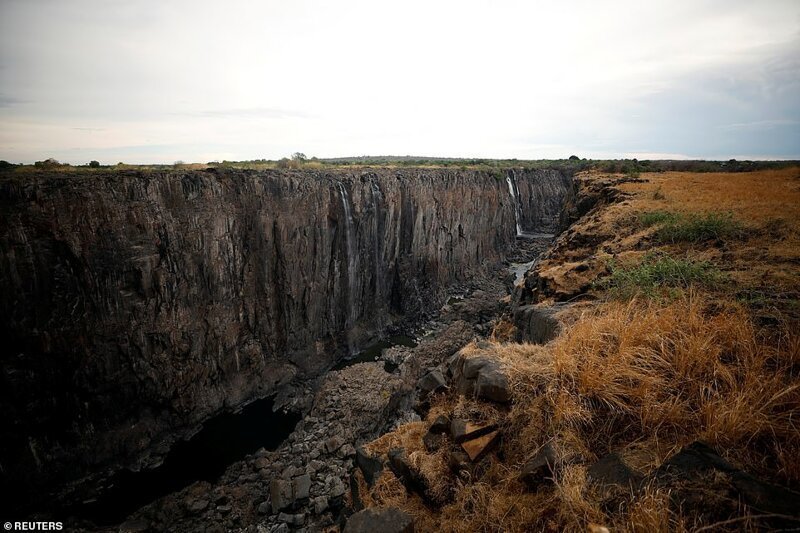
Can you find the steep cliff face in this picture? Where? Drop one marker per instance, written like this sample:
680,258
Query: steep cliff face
541,199
135,303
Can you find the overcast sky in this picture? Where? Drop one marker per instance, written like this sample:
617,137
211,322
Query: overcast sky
196,80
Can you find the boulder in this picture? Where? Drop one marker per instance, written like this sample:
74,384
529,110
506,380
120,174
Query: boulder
692,460
197,506
219,498
462,430
433,442
540,468
333,444
478,447
347,451
493,385
386,520
320,504
421,407
480,376
261,463
612,471
440,425
473,365
536,324
292,519
301,486
334,487
766,497
458,461
370,466
431,383
406,473
400,465
694,472
280,494
454,366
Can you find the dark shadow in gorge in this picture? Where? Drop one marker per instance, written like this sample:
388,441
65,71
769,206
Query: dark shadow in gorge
222,441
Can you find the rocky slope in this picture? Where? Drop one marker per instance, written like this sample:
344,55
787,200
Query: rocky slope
137,304
654,390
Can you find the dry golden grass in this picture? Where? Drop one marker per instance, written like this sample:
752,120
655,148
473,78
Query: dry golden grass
753,197
766,203
641,378
761,260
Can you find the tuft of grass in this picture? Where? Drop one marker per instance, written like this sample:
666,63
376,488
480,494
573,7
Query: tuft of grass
657,272
699,228
694,227
652,218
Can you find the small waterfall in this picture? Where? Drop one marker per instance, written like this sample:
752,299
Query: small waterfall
351,256
377,198
512,190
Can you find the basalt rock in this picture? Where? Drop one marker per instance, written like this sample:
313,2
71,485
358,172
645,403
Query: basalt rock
431,383
478,447
136,304
540,468
536,324
698,477
386,520
280,494
480,376
464,430
611,471
440,425
433,441
371,467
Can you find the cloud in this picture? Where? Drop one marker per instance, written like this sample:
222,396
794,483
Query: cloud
9,101
762,124
466,78
254,112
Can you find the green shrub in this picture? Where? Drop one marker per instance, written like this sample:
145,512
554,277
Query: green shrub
659,272
653,218
676,227
699,228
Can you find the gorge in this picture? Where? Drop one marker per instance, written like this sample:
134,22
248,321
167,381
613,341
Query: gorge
138,304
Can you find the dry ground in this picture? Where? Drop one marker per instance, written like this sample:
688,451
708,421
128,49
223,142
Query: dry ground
641,374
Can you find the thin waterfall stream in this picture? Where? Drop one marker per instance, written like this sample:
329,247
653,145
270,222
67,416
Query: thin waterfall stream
512,190
351,256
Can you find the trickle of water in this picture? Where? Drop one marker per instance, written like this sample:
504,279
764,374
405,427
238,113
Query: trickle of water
519,270
512,190
351,256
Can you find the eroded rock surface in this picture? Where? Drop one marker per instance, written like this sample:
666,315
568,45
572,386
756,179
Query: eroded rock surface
139,303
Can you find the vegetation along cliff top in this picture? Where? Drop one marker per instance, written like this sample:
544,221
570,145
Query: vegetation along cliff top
300,161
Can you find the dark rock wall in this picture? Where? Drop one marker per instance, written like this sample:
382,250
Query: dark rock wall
137,303
542,199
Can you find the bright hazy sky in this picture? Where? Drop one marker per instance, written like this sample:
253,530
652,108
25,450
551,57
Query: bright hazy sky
196,80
